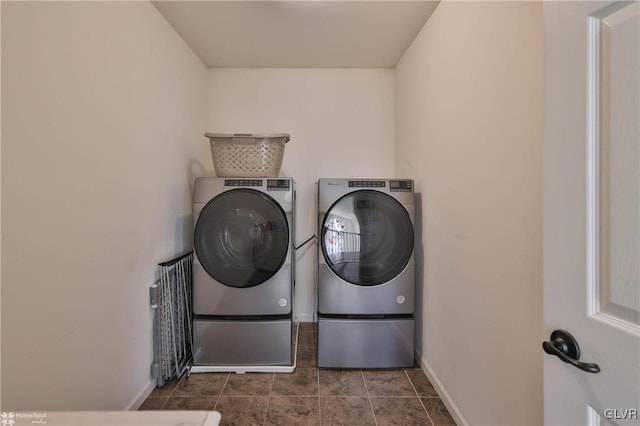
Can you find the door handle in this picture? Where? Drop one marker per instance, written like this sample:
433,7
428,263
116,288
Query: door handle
565,347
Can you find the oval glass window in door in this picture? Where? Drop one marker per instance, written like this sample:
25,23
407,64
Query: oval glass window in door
241,238
367,238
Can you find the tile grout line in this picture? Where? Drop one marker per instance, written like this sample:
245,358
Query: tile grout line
314,349
373,412
177,384
419,398
167,400
226,380
319,405
172,391
163,404
266,412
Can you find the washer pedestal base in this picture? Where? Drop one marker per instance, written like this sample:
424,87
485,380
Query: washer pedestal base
365,343
243,342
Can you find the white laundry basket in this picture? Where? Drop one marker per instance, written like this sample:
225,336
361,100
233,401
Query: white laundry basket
246,154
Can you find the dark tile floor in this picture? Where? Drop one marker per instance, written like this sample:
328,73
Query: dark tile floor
308,396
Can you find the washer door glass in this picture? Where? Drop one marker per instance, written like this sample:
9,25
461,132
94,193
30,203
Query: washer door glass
367,238
241,238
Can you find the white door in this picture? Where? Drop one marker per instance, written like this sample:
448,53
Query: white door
592,211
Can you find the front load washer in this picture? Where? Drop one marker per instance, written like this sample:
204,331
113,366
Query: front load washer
366,273
243,271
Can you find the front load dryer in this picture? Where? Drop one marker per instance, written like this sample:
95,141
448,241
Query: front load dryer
366,273
243,271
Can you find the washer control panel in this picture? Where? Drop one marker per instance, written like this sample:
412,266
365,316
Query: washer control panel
242,182
401,185
278,185
367,184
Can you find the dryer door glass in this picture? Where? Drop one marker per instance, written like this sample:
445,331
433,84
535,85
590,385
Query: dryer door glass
242,238
367,238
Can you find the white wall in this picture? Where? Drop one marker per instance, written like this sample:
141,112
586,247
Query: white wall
341,123
103,110
469,129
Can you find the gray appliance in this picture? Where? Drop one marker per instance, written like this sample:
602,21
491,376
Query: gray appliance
366,273
243,271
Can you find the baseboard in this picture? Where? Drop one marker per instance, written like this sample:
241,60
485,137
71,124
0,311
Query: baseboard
442,392
142,396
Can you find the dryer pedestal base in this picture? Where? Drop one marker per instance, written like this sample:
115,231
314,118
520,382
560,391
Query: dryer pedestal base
365,343
243,342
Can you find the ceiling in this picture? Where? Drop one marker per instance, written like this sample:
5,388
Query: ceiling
298,34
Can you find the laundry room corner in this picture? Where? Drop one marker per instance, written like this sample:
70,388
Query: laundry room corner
341,123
